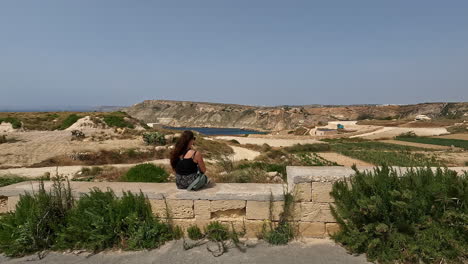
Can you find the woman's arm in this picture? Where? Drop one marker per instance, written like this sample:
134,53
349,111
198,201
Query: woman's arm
199,160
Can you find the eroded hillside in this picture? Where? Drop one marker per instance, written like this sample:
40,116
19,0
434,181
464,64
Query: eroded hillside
181,113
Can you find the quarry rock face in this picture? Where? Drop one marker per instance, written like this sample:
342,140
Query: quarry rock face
197,114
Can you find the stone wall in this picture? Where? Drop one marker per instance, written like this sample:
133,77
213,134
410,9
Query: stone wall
244,206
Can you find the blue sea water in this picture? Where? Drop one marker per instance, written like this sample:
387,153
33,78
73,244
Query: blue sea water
209,131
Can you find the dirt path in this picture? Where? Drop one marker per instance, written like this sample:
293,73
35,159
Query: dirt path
390,132
414,144
342,159
274,142
67,171
36,146
244,153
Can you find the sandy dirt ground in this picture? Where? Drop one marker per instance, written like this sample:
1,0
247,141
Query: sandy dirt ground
36,146
243,153
270,141
419,145
67,171
390,132
455,158
342,159
455,136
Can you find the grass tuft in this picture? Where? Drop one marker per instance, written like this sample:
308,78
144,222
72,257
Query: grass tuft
145,173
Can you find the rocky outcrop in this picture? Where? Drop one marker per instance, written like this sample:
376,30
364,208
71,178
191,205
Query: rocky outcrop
197,114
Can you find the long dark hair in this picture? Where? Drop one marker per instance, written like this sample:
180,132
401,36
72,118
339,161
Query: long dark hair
181,147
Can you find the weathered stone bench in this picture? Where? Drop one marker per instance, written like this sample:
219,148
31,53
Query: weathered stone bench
245,206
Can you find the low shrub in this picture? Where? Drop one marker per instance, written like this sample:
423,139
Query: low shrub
417,217
11,179
282,232
68,121
234,141
216,231
77,135
154,138
212,149
194,233
3,139
312,159
145,173
37,220
15,122
308,148
279,235
117,120
226,163
409,134
365,116
91,171
125,222
269,167
247,175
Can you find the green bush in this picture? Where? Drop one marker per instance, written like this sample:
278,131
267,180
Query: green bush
194,233
70,120
308,148
234,141
420,216
280,235
100,220
15,122
91,171
117,120
216,231
37,220
145,173
11,179
154,138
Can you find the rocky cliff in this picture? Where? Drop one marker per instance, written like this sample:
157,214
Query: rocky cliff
197,114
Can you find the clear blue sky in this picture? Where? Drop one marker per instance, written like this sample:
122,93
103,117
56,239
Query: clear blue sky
111,52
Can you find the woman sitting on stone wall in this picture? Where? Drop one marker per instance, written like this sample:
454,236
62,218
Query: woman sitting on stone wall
188,164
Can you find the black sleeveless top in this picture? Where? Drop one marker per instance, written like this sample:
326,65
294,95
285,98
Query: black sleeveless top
186,166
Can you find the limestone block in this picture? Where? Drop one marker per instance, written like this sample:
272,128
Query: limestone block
177,208
224,205
321,192
332,228
303,192
316,212
253,228
202,209
311,229
260,210
11,203
237,225
257,210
